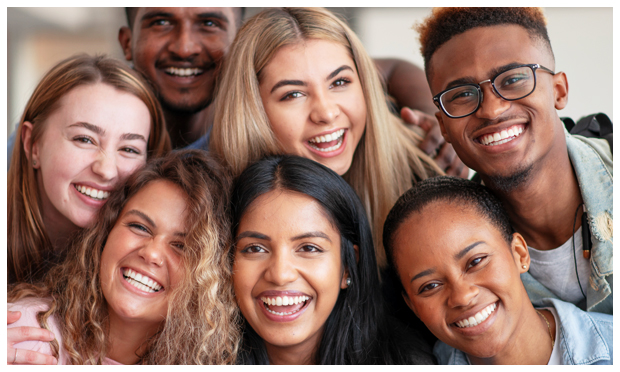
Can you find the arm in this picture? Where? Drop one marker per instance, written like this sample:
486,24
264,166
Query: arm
17,334
407,84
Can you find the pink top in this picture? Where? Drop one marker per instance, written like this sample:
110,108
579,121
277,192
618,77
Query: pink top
29,307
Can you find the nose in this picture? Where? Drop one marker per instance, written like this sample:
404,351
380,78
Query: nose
153,252
105,166
492,105
281,270
324,110
462,294
186,42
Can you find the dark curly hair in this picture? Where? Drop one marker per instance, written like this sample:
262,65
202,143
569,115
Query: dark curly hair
445,23
445,189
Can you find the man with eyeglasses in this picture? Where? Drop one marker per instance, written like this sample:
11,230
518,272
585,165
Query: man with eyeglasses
492,74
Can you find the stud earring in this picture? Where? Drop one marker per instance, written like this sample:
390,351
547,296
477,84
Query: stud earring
348,281
525,266
34,163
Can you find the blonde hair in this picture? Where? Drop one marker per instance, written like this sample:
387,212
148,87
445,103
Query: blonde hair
29,247
201,326
387,159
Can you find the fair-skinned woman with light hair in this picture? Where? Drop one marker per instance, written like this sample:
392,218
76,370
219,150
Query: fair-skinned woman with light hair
148,283
298,81
90,123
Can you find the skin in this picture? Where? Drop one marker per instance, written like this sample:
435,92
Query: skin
311,89
285,242
96,138
453,263
19,334
148,237
162,38
540,210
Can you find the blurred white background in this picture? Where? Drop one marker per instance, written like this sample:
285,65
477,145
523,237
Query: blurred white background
38,38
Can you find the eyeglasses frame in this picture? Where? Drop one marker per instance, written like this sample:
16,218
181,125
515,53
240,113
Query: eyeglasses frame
533,66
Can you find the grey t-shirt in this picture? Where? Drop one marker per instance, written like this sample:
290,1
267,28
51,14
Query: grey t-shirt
555,269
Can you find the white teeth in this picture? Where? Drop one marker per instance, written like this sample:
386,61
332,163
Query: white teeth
328,137
140,281
478,318
284,300
93,193
183,71
498,138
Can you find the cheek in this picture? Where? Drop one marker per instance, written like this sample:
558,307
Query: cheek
126,167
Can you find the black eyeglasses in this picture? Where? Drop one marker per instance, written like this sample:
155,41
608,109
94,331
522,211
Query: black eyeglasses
511,85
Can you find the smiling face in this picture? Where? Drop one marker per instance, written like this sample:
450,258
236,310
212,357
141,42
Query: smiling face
461,277
141,260
480,54
95,139
314,101
179,50
287,270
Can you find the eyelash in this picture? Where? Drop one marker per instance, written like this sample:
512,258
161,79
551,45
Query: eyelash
138,226
84,139
335,84
313,248
341,79
480,260
248,248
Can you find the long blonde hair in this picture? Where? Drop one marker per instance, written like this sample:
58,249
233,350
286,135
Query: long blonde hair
201,326
387,160
29,246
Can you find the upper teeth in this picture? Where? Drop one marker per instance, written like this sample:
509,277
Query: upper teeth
93,193
328,137
477,318
183,71
504,136
284,300
142,282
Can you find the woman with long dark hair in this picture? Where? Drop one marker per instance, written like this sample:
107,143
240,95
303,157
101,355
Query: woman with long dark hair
305,273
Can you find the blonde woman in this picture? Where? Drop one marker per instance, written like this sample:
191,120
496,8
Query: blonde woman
148,283
298,81
89,124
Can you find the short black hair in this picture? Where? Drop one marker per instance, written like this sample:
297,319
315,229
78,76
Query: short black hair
445,189
445,23
131,13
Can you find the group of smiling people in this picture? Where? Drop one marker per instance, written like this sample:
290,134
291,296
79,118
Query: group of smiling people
311,223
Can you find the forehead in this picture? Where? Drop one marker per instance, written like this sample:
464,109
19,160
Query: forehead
313,55
185,12
476,52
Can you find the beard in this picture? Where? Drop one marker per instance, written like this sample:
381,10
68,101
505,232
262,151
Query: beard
184,106
508,184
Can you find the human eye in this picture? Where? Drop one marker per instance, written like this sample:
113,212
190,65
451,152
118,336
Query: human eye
253,248
427,287
138,228
291,95
209,23
514,79
476,261
131,150
341,82
159,22
310,248
461,95
84,139
178,245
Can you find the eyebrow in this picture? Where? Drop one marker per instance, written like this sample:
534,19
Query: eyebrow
143,216
421,274
252,234
464,251
282,83
90,127
155,14
132,136
494,72
217,15
312,234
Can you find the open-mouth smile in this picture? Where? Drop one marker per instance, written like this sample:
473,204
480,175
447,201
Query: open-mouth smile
140,281
285,305
477,318
328,142
501,137
92,192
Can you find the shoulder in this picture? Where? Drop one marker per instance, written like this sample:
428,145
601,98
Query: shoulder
589,148
446,354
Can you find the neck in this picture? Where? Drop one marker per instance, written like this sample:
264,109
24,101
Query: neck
185,128
543,208
58,228
530,345
128,340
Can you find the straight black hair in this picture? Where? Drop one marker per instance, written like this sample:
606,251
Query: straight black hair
356,331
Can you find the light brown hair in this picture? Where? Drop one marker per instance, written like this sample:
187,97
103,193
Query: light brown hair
29,247
387,159
201,326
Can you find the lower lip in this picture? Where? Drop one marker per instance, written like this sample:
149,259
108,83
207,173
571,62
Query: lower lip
186,80
505,146
282,318
135,290
96,203
480,328
331,154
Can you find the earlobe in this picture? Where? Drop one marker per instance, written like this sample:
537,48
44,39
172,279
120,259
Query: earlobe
31,150
560,90
520,253
442,127
124,38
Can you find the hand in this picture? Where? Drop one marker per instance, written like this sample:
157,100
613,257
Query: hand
19,334
434,144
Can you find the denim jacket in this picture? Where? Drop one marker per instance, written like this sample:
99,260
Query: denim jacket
593,164
585,338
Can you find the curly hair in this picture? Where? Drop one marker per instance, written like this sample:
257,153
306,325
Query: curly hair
387,160
445,23
445,189
29,247
201,326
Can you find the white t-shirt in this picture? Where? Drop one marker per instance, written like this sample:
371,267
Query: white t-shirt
555,269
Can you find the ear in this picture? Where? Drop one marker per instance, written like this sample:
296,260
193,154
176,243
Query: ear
124,38
520,253
343,282
442,127
29,147
560,90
